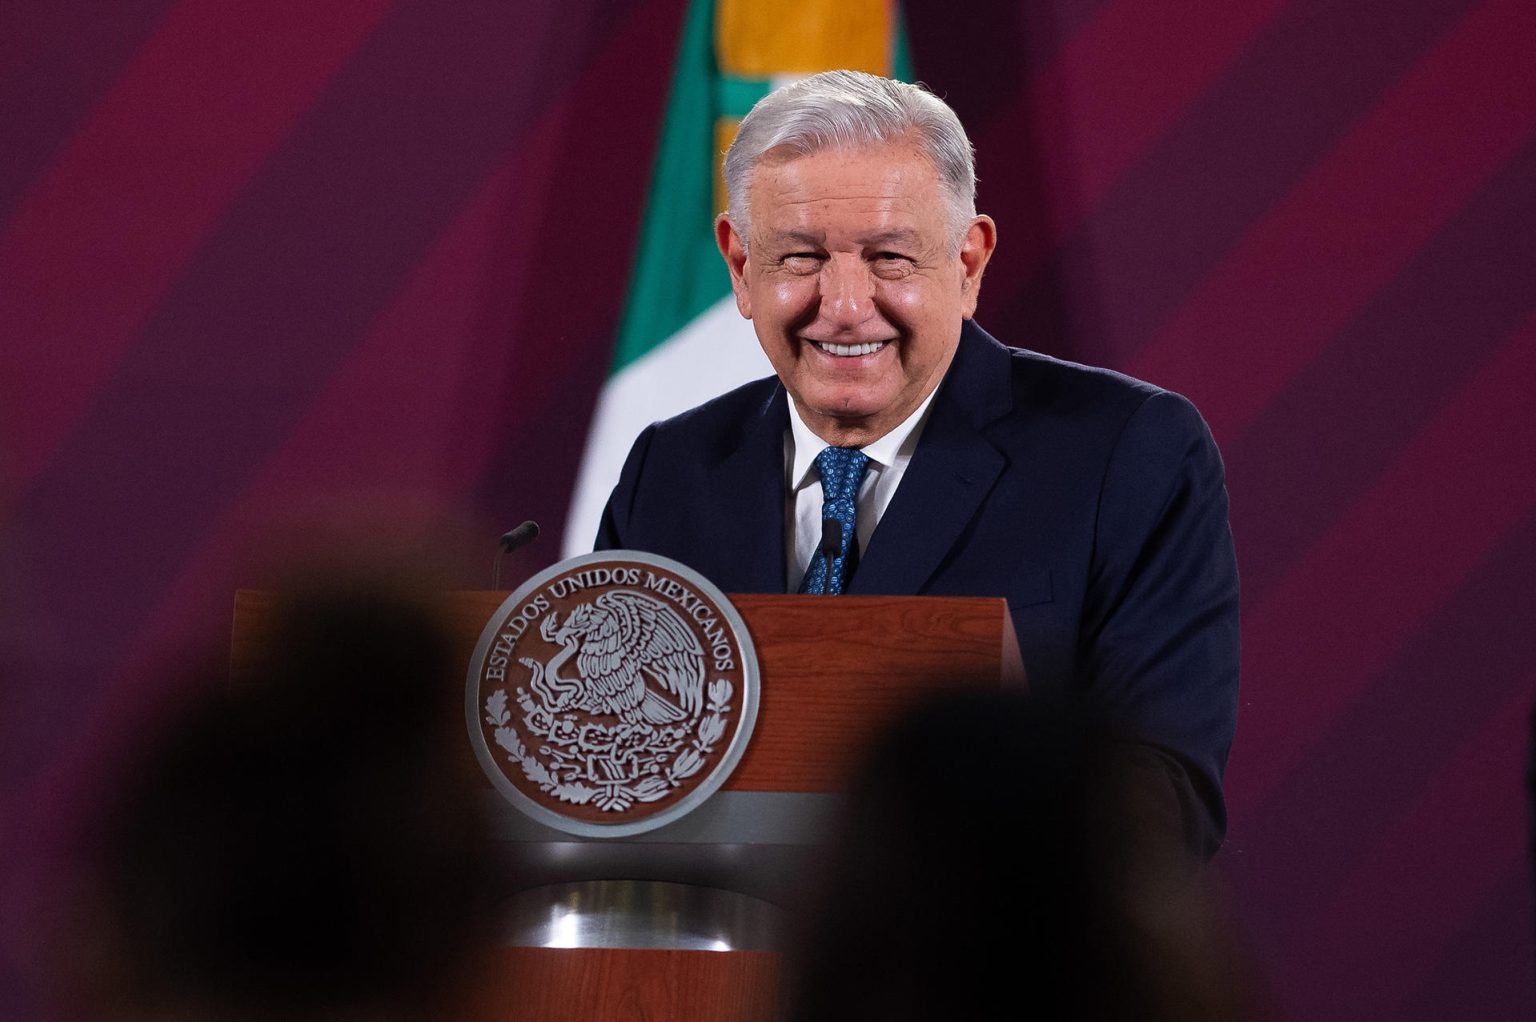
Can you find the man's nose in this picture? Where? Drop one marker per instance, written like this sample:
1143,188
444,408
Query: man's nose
847,291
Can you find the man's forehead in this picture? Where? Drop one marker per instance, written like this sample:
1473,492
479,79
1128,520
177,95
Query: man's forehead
876,150
889,186
877,166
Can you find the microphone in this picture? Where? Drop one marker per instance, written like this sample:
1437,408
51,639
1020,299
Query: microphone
831,546
519,537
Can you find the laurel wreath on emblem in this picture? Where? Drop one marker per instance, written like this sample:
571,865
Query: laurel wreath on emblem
637,662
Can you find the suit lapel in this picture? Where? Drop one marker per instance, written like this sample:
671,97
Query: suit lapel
953,469
746,538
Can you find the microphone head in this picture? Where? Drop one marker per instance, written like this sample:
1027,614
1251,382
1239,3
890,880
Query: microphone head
831,536
524,533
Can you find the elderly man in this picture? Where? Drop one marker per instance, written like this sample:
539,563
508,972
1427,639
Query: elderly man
902,450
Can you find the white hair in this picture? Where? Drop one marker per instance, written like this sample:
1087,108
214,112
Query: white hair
850,110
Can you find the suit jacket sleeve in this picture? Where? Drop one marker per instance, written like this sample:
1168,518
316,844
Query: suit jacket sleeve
614,525
1160,616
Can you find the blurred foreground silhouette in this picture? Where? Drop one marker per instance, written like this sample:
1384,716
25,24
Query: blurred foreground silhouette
1000,857
308,844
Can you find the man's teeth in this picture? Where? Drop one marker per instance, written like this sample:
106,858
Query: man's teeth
850,349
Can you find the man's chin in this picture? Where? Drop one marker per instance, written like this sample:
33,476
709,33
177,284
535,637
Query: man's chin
840,416
852,409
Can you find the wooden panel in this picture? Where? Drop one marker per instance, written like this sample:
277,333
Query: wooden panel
835,676
581,984
835,671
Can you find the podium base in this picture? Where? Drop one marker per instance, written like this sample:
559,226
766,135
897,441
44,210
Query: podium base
641,914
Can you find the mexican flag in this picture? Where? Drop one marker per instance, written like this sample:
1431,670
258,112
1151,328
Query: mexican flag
681,340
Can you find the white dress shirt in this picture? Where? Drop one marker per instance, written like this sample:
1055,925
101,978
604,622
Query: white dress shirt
888,458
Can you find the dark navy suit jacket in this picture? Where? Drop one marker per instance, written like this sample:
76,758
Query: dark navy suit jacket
1093,502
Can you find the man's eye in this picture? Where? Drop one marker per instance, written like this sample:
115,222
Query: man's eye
802,261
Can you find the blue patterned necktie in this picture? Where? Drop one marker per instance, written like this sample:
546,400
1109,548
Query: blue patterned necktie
842,470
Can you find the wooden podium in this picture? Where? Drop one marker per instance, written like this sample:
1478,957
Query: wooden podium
835,672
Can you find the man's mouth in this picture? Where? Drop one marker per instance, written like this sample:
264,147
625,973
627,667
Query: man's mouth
850,350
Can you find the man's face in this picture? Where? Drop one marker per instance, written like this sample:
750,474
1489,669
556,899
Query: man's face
852,284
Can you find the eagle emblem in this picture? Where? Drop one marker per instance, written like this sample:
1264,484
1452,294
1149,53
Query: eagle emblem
610,696
635,660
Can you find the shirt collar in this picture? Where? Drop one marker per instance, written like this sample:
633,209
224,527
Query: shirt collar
898,443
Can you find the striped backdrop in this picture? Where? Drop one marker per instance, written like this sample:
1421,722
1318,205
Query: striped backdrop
271,267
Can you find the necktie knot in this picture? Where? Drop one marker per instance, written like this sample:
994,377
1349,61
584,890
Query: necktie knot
842,470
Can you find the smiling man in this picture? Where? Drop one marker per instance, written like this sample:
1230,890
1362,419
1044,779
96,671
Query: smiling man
857,273
899,449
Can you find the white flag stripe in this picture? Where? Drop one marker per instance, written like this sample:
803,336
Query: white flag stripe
714,353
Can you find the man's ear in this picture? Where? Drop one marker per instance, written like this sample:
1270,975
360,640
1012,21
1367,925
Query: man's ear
735,254
975,249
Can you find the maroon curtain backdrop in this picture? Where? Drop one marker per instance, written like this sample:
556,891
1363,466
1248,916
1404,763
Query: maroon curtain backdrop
269,265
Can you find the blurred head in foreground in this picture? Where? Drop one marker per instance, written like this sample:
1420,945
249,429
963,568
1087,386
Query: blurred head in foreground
998,852
306,845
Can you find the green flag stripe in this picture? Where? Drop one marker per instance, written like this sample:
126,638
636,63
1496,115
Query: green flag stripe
901,53
734,97
677,269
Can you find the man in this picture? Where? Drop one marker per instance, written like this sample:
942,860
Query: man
945,463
